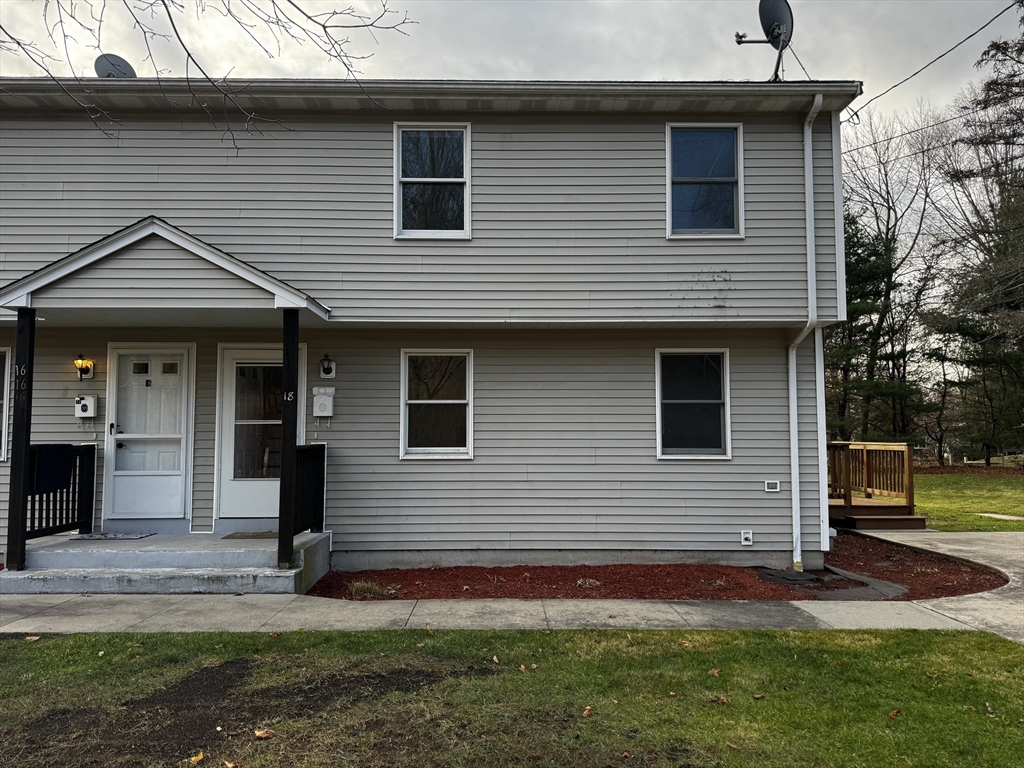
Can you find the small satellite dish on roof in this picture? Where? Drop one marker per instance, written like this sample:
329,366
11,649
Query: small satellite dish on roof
777,23
109,65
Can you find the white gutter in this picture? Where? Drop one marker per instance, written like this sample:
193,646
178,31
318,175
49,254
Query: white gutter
812,319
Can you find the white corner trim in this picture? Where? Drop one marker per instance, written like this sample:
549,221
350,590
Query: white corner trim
819,408
837,184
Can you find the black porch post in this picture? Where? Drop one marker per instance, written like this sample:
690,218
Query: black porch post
21,481
289,430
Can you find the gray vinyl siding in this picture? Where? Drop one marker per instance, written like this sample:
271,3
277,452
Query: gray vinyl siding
564,454
152,273
568,215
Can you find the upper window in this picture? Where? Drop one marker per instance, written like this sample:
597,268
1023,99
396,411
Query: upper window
693,404
431,181
5,390
437,404
705,180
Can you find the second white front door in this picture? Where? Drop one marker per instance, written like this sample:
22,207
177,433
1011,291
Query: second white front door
249,423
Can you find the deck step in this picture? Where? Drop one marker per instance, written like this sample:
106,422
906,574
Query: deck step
880,522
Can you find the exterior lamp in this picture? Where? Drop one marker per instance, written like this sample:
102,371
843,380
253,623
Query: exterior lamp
327,367
86,368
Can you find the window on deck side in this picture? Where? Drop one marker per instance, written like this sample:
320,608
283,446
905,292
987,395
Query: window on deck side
705,175
693,404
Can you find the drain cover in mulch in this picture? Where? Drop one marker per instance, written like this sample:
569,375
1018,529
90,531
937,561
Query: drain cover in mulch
252,535
108,536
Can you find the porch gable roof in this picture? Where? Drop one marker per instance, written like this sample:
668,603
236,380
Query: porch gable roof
277,293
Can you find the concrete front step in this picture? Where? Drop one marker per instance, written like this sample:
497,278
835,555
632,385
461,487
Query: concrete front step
880,522
129,567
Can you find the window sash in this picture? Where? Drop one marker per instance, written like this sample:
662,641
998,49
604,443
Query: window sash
736,181
719,405
402,180
463,451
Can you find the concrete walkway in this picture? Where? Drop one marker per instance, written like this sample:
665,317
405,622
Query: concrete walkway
1000,611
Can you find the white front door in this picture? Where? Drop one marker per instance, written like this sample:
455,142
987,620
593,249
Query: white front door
149,402
249,460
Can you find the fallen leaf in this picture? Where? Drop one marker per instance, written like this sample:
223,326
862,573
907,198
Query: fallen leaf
932,675
485,650
611,616
429,629
494,659
626,755
274,634
545,631
533,666
263,733
522,668
219,728
720,699
615,701
730,744
714,672
137,657
419,645
758,695
687,645
197,759
219,646
465,589
988,708
970,674
31,638
228,764
894,714
100,653
587,712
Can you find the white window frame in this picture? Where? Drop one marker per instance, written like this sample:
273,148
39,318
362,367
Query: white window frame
466,233
436,453
5,408
725,392
740,207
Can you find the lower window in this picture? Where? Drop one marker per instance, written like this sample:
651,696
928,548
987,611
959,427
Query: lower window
693,403
437,404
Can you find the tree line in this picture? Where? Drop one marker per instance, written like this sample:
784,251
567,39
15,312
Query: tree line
932,351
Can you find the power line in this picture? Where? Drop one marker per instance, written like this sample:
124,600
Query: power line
915,130
941,55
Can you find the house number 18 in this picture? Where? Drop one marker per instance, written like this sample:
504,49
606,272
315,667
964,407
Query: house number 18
289,396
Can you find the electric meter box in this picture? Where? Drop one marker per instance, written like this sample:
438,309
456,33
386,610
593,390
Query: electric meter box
323,402
85,407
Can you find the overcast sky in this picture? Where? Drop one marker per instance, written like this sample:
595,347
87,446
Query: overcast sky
876,41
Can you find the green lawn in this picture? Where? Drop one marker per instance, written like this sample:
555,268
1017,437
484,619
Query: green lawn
586,699
952,502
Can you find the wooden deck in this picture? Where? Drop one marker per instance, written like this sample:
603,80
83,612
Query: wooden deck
871,486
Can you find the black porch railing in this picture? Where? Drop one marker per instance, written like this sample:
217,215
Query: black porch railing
311,476
65,505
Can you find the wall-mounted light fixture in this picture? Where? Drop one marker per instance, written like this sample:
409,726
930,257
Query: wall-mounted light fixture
86,368
327,367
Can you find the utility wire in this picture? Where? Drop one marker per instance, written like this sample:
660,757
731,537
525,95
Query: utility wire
922,69
915,130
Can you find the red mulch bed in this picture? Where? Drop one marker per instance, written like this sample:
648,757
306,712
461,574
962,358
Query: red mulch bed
927,575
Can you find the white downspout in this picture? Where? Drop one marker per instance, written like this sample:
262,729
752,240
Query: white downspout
812,319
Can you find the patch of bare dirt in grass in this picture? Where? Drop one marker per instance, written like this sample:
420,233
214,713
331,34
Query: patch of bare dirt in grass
210,711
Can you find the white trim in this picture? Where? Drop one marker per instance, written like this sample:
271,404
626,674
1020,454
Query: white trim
218,431
809,220
726,387
466,233
740,234
188,451
819,407
5,409
284,295
837,184
435,453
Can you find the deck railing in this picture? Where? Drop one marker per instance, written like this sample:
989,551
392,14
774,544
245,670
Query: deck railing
66,507
871,470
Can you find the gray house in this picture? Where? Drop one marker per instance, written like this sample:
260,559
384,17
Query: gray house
519,322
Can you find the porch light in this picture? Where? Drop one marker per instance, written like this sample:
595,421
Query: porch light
85,367
326,367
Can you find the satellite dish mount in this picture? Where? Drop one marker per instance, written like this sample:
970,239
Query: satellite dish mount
777,23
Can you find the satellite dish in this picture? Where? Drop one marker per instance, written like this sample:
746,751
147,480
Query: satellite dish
109,65
777,23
